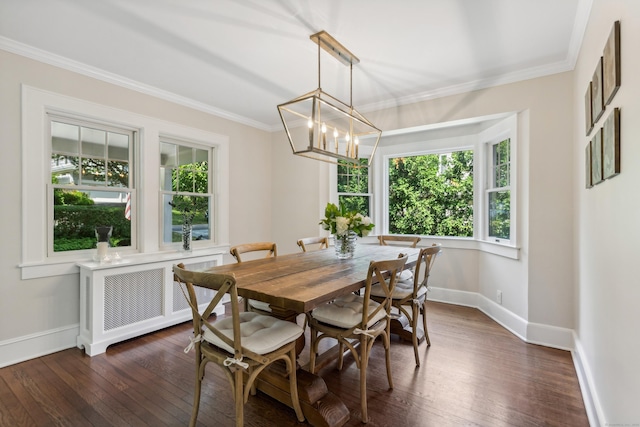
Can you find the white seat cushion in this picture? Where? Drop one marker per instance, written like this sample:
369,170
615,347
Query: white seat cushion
260,305
405,275
259,333
403,289
346,311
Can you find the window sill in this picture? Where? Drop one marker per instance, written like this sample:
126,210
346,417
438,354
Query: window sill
503,250
49,269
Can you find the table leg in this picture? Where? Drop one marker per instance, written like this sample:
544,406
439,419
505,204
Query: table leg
401,326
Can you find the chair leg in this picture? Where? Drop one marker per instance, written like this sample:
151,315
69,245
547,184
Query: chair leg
340,355
196,393
415,313
386,337
238,395
424,322
293,385
364,362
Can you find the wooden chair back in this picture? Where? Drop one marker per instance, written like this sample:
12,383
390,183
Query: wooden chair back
323,243
269,247
399,240
426,259
384,273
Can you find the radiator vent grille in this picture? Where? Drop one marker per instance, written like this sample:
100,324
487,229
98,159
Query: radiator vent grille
132,297
204,295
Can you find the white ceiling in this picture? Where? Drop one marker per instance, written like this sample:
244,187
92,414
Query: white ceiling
239,59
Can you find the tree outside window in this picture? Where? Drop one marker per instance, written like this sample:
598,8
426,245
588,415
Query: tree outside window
431,194
499,191
353,187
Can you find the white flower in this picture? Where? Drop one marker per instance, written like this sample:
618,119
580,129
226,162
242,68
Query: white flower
365,233
342,225
366,221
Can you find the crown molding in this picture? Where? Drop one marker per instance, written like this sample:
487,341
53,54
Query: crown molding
40,55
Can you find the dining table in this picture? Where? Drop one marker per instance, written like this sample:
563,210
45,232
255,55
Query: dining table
297,283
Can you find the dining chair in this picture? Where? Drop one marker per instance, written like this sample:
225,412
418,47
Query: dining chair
243,345
322,242
399,240
356,321
268,249
410,296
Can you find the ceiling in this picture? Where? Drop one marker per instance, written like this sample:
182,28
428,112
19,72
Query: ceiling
239,59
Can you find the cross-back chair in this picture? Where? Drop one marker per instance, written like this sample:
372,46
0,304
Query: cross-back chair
410,241
410,296
243,345
269,249
356,319
322,242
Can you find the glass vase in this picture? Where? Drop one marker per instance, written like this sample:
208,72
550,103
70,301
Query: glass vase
187,235
345,244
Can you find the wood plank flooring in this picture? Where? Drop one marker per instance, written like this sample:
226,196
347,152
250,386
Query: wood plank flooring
475,374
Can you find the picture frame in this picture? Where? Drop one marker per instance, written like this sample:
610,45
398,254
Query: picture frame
597,105
611,65
611,145
588,117
596,158
587,166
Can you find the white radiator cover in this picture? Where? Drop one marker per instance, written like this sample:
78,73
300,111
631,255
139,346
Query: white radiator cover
133,297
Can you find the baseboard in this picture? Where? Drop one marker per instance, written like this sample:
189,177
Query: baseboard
35,345
585,379
534,333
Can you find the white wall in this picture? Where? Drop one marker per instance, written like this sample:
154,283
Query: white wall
607,230
41,315
545,108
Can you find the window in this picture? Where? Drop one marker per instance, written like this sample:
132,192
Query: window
353,187
185,187
431,194
498,191
90,185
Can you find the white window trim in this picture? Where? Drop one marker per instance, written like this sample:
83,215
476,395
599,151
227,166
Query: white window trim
36,104
506,129
380,190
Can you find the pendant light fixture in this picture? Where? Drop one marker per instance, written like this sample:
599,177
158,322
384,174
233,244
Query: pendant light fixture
322,127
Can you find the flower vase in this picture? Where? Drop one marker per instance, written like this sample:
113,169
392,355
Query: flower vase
345,244
187,234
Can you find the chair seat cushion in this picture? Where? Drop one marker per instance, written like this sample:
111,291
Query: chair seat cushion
260,305
259,333
405,275
403,289
346,311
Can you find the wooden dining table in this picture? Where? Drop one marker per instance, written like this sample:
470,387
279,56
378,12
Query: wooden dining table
297,283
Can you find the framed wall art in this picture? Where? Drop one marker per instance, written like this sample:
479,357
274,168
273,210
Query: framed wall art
587,166
588,117
597,106
611,145
596,158
611,64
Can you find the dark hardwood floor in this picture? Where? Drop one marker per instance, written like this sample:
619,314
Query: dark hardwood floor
475,374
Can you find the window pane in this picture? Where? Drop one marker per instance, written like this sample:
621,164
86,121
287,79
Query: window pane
64,170
118,146
185,208
432,194
185,155
168,154
202,156
118,174
501,164
359,204
64,138
77,213
93,142
92,172
500,214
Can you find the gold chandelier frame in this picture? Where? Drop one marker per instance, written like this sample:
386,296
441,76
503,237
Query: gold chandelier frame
334,129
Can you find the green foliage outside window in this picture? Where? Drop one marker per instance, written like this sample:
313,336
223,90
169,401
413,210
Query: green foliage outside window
355,183
432,194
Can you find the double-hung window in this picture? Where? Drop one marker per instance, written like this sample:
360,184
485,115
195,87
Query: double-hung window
353,187
185,187
91,184
498,191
